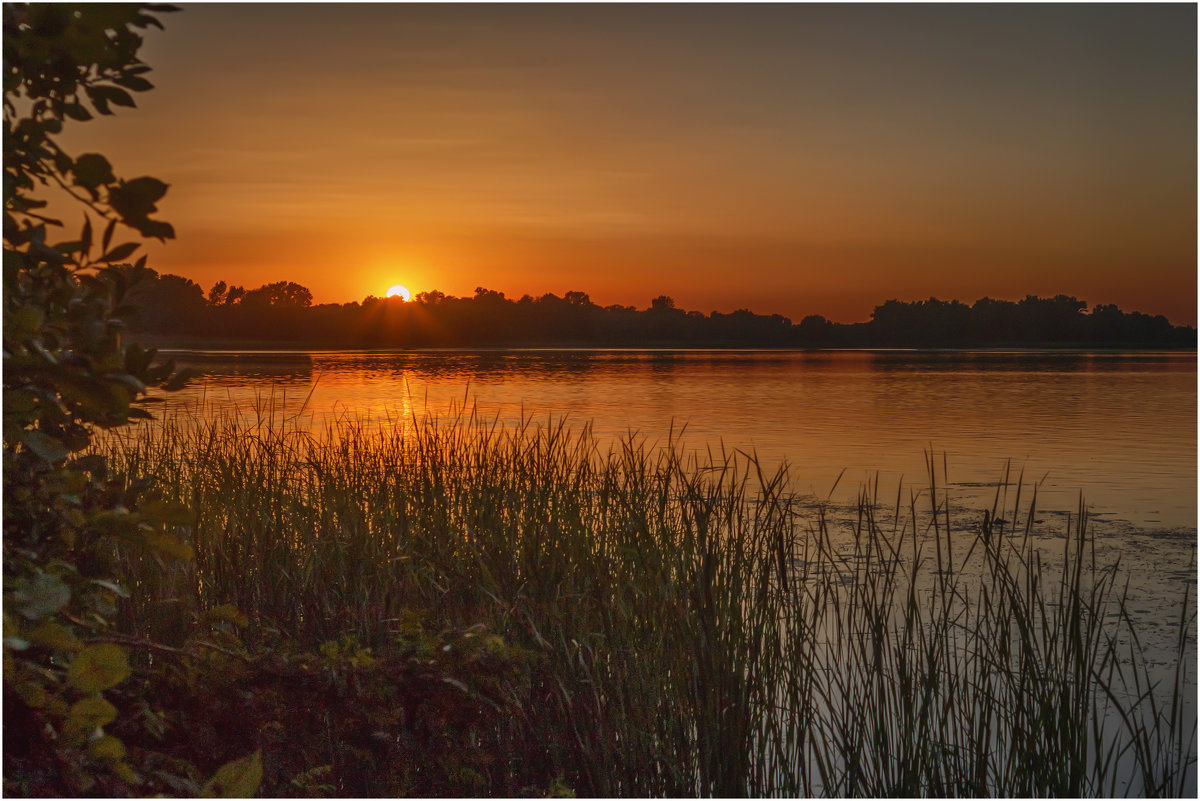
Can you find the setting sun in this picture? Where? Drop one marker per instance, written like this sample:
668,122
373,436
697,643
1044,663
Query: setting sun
399,291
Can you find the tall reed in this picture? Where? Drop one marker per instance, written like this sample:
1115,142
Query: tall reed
698,629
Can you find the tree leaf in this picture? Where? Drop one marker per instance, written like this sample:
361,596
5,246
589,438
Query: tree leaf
43,595
98,667
156,228
237,779
120,252
32,693
135,83
77,112
116,96
45,446
92,170
107,747
90,713
54,635
125,772
108,233
146,188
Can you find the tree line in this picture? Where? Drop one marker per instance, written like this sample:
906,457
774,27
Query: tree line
283,311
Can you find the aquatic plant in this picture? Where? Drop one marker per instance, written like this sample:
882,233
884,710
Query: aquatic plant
660,621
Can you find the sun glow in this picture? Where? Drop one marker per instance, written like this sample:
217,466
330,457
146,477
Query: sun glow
399,291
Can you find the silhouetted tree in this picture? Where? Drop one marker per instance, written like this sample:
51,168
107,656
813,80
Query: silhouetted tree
280,293
662,303
168,303
283,311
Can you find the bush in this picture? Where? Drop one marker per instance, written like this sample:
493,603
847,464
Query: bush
66,372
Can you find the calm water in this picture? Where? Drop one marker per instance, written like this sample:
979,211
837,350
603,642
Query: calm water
1121,428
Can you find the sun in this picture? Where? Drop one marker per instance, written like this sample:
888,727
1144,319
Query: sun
399,291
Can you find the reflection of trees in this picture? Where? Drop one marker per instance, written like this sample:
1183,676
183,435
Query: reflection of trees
908,362
283,311
276,367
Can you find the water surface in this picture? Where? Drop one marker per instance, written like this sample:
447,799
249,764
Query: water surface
1118,427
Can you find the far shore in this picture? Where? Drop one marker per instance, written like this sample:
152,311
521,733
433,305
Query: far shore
167,342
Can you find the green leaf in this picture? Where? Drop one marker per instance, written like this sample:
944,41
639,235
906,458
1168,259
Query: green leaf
24,321
44,445
97,668
125,772
54,635
237,779
43,595
90,713
32,693
107,747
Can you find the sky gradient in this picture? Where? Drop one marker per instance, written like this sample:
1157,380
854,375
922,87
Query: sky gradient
793,159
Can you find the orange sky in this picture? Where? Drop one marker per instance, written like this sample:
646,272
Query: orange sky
786,158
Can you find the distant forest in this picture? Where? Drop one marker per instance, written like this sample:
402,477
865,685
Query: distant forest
283,312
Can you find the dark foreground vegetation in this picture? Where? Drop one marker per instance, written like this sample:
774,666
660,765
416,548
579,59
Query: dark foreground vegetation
451,608
429,608
283,312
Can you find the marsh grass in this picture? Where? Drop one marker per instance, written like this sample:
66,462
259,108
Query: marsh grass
696,629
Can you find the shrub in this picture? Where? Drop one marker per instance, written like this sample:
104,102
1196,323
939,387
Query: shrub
66,372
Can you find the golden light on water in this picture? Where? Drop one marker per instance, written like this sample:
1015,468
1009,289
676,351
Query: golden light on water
399,291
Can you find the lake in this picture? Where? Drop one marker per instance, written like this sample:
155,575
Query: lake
1118,427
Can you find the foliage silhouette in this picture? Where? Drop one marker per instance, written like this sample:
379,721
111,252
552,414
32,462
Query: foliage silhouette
67,372
282,312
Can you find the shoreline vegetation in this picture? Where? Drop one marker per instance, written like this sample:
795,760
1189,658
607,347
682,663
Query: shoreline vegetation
449,607
171,310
